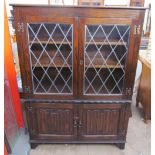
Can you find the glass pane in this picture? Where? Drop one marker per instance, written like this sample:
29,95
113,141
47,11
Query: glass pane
106,48
51,52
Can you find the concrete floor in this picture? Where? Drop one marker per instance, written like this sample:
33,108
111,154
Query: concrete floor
22,146
138,142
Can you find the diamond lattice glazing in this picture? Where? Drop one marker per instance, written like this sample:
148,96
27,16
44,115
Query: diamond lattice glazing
106,48
51,52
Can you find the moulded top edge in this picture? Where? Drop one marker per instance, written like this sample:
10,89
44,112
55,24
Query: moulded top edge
72,6
75,101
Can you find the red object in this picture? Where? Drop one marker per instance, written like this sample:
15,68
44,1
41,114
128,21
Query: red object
10,69
5,151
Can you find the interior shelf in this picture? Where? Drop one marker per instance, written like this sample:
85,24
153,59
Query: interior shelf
97,42
59,64
60,58
105,66
51,56
86,66
51,42
101,42
58,61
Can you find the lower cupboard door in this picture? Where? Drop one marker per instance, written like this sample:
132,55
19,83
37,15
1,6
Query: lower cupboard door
103,122
52,122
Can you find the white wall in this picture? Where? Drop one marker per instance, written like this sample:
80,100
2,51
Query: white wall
117,2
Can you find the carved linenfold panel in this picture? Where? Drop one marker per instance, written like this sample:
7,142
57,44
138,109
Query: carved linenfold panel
100,122
31,113
123,121
87,119
56,121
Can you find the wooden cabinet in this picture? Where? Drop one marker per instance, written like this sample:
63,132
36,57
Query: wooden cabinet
78,66
77,123
144,90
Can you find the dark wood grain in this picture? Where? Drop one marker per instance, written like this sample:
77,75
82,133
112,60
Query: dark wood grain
75,17
78,118
144,91
78,123
99,121
51,121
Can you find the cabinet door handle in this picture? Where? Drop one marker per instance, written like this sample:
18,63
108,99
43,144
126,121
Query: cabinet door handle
80,125
75,123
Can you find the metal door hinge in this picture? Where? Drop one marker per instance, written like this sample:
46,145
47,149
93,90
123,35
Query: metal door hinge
81,62
128,91
27,89
20,27
137,29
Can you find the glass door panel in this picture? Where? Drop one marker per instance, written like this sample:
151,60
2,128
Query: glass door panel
105,53
51,56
